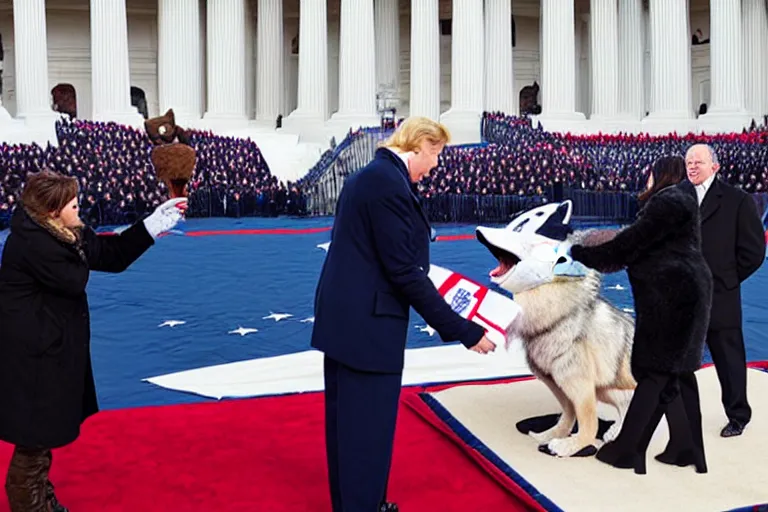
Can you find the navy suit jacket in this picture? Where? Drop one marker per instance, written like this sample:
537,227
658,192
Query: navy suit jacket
376,269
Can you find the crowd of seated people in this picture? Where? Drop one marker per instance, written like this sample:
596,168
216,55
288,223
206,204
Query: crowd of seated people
118,183
524,160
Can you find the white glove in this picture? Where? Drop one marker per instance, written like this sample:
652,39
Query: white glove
166,216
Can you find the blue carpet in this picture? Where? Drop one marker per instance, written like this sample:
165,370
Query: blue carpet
219,283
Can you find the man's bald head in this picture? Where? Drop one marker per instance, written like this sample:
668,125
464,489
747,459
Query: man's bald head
701,163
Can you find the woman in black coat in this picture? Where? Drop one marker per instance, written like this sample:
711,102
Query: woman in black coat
46,380
672,290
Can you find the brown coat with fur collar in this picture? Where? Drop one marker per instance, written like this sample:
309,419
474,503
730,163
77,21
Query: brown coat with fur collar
46,380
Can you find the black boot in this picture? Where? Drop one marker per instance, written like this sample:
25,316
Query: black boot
686,441
26,481
627,451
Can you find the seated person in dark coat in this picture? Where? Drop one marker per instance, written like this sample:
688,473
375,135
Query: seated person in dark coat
672,289
46,380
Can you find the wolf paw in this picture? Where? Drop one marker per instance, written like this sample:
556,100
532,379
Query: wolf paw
612,433
544,437
568,447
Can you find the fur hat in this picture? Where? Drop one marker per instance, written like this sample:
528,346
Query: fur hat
174,161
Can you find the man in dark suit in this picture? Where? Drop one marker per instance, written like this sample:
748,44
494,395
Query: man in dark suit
375,270
733,242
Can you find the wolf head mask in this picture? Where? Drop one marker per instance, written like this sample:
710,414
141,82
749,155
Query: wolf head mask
532,248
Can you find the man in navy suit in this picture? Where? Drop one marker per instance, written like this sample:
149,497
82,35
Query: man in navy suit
375,270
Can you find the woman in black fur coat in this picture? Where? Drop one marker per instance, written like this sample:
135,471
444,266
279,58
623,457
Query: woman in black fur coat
672,289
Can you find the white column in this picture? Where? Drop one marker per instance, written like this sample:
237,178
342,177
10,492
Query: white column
726,111
270,68
226,64
671,108
357,67
312,105
179,59
30,49
755,24
604,41
647,60
249,59
631,59
467,72
500,91
425,59
764,45
558,72
578,44
387,21
586,91
110,64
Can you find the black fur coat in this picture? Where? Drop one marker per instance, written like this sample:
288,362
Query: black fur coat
671,282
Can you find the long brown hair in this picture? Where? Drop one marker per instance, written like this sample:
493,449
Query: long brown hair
666,171
48,192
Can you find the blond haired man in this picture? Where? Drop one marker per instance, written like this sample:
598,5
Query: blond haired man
375,270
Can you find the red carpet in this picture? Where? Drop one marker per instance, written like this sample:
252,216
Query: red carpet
268,231
259,454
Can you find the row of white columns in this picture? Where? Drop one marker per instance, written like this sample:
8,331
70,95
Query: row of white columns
739,34
109,62
359,46
180,51
482,63
180,77
369,55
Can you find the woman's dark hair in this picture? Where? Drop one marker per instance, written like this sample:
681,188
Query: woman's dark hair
48,192
666,171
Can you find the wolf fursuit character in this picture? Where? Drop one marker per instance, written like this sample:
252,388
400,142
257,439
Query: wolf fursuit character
575,342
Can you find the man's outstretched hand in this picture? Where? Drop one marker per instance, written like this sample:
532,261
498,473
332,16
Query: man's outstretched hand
484,346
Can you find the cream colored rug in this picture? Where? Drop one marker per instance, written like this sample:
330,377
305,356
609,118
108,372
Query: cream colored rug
738,467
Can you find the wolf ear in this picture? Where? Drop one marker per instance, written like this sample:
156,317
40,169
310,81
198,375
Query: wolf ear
557,226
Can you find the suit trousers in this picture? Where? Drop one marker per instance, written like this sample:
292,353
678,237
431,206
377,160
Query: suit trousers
360,416
730,359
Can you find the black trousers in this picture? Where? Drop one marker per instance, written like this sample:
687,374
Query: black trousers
360,417
657,394
27,485
730,359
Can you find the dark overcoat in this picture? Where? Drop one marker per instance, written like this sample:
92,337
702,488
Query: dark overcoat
733,242
376,269
46,380
671,282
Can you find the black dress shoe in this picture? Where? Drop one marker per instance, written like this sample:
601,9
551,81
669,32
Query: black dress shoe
733,428
389,507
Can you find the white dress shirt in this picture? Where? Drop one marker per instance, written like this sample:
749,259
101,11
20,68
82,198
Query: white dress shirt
701,190
402,156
